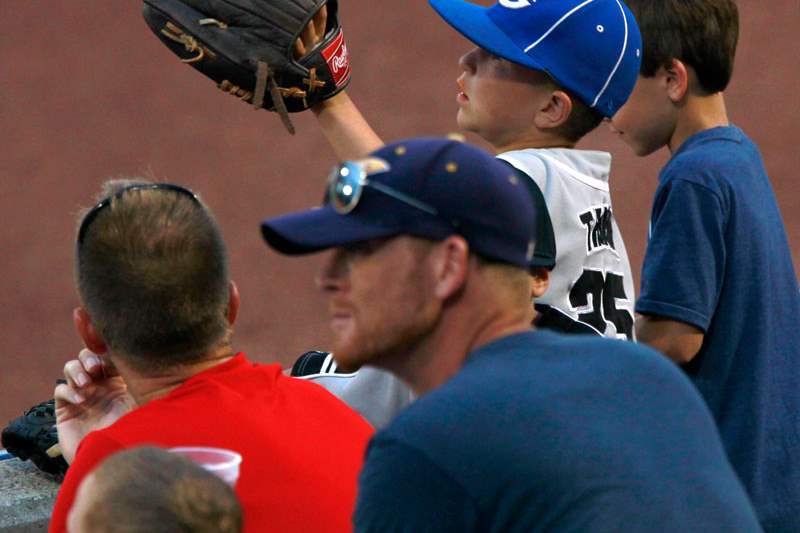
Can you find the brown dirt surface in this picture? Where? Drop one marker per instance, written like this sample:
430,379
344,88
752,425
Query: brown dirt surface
89,93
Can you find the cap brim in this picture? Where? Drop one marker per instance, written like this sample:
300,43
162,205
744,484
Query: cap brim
473,22
317,229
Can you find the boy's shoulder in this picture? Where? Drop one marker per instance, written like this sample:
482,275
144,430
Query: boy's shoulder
712,157
590,167
708,145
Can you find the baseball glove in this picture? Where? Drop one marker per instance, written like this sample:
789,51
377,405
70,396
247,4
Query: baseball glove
33,436
253,49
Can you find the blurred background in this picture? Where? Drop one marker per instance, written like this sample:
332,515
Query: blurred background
88,93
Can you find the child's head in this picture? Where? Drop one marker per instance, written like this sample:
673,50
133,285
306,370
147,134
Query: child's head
702,34
502,101
150,489
550,68
689,48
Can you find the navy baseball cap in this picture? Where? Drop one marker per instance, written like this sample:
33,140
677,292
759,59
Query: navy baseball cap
591,47
424,187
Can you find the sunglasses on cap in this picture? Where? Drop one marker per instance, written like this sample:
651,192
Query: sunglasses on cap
347,181
105,202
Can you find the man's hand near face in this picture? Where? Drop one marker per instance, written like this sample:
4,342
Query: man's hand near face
94,397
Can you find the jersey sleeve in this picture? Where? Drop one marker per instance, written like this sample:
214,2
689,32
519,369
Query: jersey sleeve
94,448
684,263
401,490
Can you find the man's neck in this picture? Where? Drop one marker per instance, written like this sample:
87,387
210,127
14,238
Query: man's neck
698,113
151,386
442,353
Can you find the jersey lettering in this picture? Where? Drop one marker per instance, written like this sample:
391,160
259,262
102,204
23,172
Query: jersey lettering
599,228
516,4
595,296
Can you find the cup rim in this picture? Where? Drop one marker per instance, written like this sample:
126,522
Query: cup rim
234,458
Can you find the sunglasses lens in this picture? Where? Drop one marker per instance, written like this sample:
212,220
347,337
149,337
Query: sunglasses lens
345,186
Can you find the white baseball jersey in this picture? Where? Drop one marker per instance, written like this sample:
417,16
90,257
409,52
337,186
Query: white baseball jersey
591,286
591,282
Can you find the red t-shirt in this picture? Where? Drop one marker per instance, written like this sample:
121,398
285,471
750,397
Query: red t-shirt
301,447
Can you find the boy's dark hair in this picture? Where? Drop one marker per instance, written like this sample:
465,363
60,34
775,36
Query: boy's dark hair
700,33
152,273
149,489
582,120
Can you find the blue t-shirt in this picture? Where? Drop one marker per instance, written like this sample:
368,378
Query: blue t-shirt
547,432
718,258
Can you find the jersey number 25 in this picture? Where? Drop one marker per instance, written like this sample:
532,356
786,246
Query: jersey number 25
605,290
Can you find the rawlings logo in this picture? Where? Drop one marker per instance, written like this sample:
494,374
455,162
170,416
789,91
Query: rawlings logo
342,60
338,59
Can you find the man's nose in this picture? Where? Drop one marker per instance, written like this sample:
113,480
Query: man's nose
333,272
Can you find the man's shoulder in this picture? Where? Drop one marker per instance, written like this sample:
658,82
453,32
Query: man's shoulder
229,393
526,368
539,348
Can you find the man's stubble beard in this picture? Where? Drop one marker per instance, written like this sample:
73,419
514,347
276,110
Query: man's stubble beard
391,349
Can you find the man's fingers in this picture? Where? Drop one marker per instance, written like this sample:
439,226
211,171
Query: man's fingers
64,393
76,375
92,363
98,366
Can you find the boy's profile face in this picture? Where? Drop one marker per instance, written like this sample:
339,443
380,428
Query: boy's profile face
498,99
647,120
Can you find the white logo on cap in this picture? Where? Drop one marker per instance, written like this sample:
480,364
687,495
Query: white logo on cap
516,4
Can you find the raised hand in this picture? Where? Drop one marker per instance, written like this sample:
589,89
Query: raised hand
94,397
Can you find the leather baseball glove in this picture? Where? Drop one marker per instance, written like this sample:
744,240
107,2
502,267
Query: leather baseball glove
257,50
33,436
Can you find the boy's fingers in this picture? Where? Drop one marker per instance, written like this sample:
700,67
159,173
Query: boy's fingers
308,37
312,34
299,48
320,21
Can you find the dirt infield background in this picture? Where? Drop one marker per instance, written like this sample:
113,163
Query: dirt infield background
88,93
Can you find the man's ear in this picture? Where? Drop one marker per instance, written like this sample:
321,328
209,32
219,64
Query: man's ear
233,302
540,281
86,331
676,76
451,264
554,111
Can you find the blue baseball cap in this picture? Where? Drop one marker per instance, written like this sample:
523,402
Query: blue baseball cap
424,187
591,47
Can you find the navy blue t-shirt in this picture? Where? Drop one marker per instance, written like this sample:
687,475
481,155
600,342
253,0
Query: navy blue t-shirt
718,258
541,431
